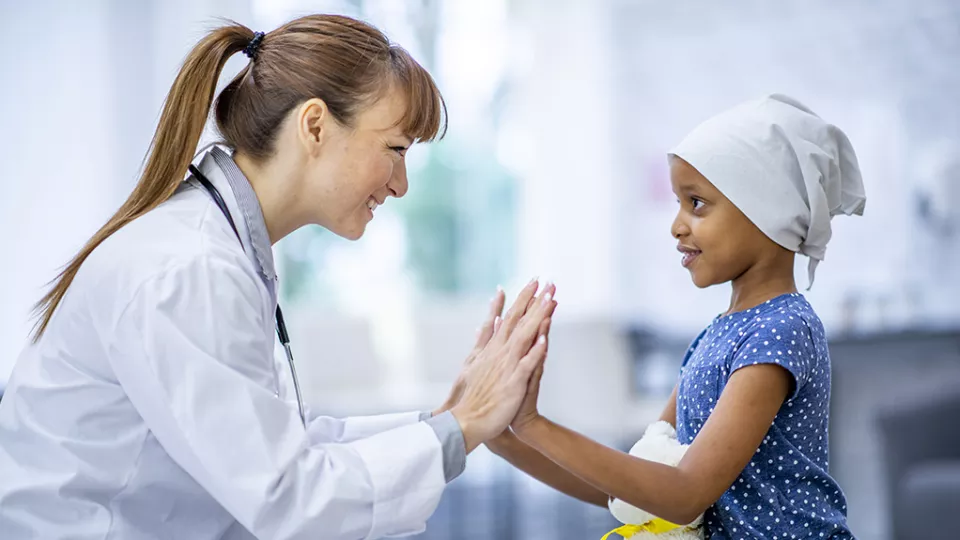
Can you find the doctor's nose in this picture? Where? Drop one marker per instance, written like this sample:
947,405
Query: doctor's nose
398,181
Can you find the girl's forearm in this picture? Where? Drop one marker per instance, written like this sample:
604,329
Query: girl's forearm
660,489
535,464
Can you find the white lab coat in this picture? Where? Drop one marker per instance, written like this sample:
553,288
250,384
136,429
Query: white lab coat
154,407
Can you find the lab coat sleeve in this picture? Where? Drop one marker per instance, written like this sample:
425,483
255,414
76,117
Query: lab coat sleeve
194,355
326,429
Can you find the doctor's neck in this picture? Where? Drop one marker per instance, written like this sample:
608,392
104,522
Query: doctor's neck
274,182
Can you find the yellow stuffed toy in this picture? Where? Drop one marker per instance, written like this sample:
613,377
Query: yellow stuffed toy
659,443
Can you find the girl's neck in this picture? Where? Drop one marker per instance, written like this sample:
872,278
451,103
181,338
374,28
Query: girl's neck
761,283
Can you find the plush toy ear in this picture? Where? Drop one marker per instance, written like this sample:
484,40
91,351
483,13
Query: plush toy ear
661,428
659,443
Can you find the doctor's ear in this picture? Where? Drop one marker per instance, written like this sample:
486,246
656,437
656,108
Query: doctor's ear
313,123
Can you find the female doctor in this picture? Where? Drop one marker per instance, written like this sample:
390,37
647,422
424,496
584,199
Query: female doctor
150,404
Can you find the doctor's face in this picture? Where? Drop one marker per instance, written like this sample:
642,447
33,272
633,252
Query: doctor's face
359,167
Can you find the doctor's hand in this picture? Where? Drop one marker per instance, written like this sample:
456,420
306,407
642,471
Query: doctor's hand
484,333
497,380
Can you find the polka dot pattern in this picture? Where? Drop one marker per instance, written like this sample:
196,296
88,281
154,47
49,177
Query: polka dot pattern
785,492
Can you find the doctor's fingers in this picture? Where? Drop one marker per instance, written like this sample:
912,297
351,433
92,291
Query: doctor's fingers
502,354
500,359
544,329
534,384
516,311
530,363
530,310
548,288
527,331
489,325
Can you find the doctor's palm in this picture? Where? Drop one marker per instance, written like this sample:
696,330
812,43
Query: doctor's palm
497,379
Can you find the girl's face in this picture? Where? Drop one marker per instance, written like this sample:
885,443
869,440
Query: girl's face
718,243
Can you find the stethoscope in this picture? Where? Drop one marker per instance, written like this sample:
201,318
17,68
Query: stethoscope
281,327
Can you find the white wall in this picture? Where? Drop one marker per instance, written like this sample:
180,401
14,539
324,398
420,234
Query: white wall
82,89
562,114
57,153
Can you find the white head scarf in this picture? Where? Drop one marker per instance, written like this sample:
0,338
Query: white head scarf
785,168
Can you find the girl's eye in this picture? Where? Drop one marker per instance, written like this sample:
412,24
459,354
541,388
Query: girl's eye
399,149
697,203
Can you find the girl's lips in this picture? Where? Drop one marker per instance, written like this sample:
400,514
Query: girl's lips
688,259
689,255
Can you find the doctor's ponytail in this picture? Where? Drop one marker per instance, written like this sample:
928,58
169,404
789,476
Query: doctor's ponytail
347,63
181,124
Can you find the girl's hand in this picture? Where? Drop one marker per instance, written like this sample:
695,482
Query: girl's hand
528,413
498,377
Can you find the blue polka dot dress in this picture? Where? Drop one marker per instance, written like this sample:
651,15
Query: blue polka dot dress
786,491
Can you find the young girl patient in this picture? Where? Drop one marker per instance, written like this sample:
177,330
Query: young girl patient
756,185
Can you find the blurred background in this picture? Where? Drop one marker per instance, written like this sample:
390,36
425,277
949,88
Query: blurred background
560,114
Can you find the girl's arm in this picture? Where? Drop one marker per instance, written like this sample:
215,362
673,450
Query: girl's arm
535,464
669,413
528,460
743,415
